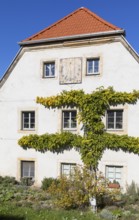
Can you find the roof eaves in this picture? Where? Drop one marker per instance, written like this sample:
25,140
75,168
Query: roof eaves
45,40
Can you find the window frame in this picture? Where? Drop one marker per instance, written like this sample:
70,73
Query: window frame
70,128
23,128
22,171
50,75
119,180
115,119
71,166
93,59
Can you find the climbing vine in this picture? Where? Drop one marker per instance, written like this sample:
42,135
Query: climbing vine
92,108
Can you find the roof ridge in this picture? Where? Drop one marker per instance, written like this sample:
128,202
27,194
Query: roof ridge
55,23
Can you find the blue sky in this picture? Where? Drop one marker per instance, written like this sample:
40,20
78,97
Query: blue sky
21,19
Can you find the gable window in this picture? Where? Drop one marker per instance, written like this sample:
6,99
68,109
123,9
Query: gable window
92,66
115,119
69,121
67,169
49,69
28,169
114,173
28,120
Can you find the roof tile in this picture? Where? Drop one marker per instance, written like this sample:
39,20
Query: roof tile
81,21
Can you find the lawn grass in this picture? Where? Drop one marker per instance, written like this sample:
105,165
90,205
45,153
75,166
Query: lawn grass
12,212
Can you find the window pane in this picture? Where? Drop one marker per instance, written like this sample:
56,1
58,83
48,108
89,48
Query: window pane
110,169
73,119
66,119
118,175
110,119
89,66
119,119
118,169
96,66
111,175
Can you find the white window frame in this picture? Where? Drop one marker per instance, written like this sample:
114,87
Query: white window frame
93,61
29,122
114,173
70,122
50,65
71,168
115,119
29,171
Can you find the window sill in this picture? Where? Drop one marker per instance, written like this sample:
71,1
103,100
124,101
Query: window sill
27,131
48,77
93,74
70,130
115,130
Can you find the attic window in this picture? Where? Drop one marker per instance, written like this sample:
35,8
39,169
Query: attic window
49,70
93,66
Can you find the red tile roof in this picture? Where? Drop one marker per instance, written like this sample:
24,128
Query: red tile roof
82,21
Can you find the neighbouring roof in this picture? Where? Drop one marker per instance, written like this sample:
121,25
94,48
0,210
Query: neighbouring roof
80,22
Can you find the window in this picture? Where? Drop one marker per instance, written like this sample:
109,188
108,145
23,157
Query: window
69,120
114,173
114,119
28,120
67,168
93,66
28,169
49,69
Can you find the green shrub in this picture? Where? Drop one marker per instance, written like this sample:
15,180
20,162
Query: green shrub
106,214
75,191
46,182
26,181
131,196
7,180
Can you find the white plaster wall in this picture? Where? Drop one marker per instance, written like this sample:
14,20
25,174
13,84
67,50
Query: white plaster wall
118,69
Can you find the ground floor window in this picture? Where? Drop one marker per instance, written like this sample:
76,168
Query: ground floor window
28,169
114,173
67,169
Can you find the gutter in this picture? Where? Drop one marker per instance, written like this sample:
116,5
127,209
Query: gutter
107,33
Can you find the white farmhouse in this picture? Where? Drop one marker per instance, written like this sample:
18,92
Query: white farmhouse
80,51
